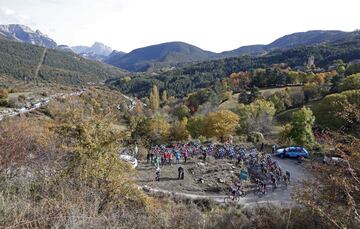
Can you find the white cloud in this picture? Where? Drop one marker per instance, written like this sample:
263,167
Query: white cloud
9,12
8,16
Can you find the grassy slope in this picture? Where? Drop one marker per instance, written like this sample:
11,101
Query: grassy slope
233,102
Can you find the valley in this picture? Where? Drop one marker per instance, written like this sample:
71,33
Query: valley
174,136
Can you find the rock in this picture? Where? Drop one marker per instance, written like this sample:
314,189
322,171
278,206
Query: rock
221,180
146,189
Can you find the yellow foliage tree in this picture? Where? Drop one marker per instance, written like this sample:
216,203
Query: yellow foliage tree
179,130
221,124
154,98
157,129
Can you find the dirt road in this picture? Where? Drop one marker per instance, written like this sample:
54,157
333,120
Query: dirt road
190,188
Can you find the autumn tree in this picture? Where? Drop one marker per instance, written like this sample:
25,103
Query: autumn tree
154,98
157,130
221,124
257,116
179,131
334,192
281,100
164,96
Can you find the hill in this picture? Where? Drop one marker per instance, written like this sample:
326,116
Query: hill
174,53
28,62
167,53
314,37
194,76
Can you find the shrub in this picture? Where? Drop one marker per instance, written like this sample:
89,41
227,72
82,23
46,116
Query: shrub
4,93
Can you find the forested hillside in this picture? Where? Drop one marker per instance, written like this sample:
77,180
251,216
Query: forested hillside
192,77
173,52
21,61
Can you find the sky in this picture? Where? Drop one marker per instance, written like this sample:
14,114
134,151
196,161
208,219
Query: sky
214,25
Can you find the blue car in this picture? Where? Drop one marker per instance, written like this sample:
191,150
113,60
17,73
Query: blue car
292,152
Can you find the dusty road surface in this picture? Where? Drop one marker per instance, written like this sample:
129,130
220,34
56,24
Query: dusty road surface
218,176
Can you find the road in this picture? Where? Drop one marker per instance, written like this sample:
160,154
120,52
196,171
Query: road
133,102
36,105
188,188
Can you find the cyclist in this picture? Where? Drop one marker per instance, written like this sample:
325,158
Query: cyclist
157,174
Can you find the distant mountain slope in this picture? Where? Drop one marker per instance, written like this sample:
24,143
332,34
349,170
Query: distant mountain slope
97,51
25,34
194,76
173,52
20,61
313,37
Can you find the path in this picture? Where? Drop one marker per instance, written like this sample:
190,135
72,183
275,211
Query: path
40,63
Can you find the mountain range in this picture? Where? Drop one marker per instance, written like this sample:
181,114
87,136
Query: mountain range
98,51
25,34
27,62
169,54
22,33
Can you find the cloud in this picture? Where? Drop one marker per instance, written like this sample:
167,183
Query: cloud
9,16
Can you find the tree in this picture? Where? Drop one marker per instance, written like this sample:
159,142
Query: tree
157,130
311,91
248,96
257,116
154,98
329,108
179,131
164,96
351,82
301,127
221,124
281,100
182,112
334,192
196,126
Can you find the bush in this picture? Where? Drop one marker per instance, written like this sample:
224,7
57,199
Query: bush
4,93
255,137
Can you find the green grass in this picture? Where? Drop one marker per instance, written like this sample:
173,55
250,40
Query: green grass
266,93
285,116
